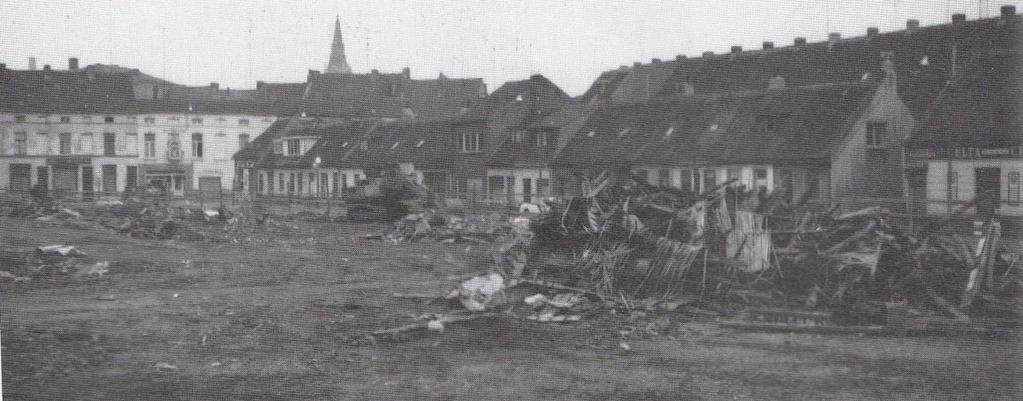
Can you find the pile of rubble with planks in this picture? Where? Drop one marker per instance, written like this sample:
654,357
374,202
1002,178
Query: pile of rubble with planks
748,259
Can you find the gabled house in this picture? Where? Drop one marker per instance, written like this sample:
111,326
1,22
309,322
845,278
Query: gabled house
838,141
970,144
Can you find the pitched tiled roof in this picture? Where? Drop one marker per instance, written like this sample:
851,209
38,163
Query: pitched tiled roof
607,81
388,95
249,107
427,145
65,92
979,108
723,128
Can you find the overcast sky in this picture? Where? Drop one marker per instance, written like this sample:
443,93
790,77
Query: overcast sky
239,42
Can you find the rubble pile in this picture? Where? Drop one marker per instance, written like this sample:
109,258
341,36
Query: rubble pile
67,261
736,247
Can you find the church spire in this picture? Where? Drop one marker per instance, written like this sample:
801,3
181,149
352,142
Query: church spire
338,64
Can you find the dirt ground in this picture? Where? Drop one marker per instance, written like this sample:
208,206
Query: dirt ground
287,318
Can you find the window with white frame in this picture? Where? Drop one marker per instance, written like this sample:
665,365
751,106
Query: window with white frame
469,142
541,139
1013,187
65,143
20,143
197,145
294,147
149,146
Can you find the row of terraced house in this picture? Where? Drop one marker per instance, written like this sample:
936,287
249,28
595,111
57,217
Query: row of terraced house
923,119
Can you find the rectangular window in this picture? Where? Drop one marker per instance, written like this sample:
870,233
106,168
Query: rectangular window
335,188
280,183
174,146
243,141
197,121
261,184
43,144
541,139
470,142
813,184
664,178
300,181
65,119
876,132
85,143
108,119
20,143
109,144
149,120
65,143
766,124
131,143
642,176
150,146
543,187
687,180
496,184
243,122
1013,187
294,147
953,185
279,147
710,180
517,136
197,146
132,177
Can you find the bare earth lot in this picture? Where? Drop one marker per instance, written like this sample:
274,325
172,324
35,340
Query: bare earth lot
286,318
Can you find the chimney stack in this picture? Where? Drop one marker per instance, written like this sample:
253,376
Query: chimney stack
834,37
736,49
259,84
912,24
799,41
72,63
312,74
872,31
680,57
32,63
407,72
46,67
637,64
958,18
1008,11
3,67
768,45
708,54
214,85
655,61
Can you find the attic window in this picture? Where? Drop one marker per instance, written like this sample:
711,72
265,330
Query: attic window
624,132
420,143
395,145
518,98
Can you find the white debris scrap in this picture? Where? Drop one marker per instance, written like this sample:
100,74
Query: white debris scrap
477,293
62,250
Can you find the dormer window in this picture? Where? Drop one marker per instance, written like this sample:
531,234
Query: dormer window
518,98
876,132
469,142
624,132
294,147
108,119
542,139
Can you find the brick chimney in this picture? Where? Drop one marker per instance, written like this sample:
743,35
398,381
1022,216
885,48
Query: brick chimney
799,41
603,98
958,18
708,54
407,72
680,57
72,64
655,61
214,85
768,45
834,37
32,63
872,31
736,49
776,82
912,24
1008,11
46,67
637,64
312,75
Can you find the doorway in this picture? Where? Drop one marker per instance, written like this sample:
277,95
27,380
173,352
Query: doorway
987,190
87,182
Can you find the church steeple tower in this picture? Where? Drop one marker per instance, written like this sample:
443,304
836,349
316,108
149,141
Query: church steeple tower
338,63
